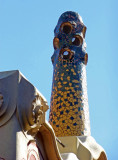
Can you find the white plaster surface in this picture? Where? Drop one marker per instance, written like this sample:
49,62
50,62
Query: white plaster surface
69,156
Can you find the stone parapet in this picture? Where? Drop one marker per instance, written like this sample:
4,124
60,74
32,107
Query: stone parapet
22,121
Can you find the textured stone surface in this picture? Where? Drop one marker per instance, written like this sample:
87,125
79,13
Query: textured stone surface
22,112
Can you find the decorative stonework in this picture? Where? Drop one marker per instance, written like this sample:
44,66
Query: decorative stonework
39,107
17,93
36,110
23,121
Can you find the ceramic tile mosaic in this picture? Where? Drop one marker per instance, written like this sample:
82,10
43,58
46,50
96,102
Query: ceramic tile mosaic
69,112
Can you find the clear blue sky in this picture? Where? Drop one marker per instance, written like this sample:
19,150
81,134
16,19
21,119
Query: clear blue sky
26,36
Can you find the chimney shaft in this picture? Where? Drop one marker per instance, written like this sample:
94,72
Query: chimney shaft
69,112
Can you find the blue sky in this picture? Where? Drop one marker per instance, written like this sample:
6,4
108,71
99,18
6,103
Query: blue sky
26,37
